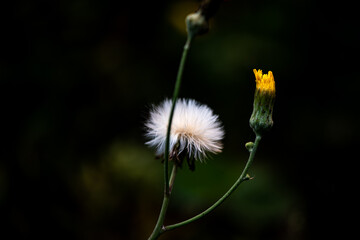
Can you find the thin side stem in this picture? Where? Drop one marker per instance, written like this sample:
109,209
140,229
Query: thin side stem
243,177
175,97
160,223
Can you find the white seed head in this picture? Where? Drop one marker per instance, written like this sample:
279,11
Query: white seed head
194,127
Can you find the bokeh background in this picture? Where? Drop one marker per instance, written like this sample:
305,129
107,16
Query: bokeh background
77,79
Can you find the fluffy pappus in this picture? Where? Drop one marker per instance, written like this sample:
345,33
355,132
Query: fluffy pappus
195,129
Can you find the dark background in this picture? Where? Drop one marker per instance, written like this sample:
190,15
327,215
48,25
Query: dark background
77,80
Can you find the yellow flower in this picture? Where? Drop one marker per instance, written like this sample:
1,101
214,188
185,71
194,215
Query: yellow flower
264,82
261,118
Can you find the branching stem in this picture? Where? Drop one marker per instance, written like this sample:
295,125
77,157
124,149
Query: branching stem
160,223
243,177
168,183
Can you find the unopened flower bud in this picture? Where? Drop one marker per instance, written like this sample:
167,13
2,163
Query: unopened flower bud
249,146
261,118
196,24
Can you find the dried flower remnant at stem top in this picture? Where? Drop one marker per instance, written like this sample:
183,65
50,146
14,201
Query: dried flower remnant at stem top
261,118
198,23
195,130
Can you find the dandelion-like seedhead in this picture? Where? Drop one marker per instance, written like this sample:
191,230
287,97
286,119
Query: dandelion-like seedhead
195,130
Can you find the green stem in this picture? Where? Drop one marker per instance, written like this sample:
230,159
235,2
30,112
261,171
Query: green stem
160,222
168,186
175,96
243,177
